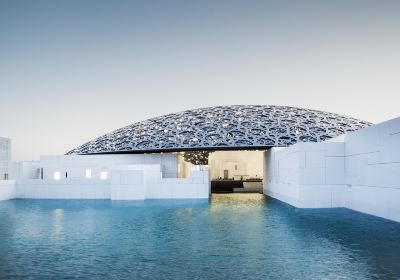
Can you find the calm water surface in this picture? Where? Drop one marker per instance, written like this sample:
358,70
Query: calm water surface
229,237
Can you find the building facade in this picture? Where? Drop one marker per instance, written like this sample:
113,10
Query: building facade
5,157
306,158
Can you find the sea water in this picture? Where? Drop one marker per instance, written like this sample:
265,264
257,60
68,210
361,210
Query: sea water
242,236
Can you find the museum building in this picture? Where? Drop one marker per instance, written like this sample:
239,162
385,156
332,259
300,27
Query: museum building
304,157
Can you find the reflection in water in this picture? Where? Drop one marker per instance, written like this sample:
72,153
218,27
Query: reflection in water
237,202
231,236
57,223
218,197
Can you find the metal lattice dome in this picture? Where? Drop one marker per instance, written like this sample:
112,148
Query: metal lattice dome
223,127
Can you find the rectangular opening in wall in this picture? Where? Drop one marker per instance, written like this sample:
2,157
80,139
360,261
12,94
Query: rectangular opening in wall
103,175
236,171
57,175
88,173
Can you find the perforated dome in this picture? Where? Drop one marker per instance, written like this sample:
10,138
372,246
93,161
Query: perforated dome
223,127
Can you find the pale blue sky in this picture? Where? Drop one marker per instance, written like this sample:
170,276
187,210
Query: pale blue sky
73,70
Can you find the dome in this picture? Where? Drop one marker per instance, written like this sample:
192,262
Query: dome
223,127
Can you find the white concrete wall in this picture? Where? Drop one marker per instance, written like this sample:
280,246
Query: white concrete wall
137,176
5,156
184,168
306,174
7,189
373,169
24,170
360,171
75,165
197,186
63,189
129,183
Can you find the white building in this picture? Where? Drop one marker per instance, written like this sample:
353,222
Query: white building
359,170
5,157
307,158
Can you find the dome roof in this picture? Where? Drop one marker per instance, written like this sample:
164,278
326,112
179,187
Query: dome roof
223,127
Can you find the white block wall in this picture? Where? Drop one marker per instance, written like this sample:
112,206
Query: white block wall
63,189
5,156
135,182
197,186
75,165
127,185
361,172
373,169
24,170
129,177
305,174
7,189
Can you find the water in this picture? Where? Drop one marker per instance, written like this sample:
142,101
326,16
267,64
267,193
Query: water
228,237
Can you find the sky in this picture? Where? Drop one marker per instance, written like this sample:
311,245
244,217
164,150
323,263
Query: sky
71,70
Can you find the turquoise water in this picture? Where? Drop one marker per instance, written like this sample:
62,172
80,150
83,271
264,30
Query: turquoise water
241,237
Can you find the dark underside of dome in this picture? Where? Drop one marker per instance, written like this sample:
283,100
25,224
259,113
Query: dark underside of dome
236,127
